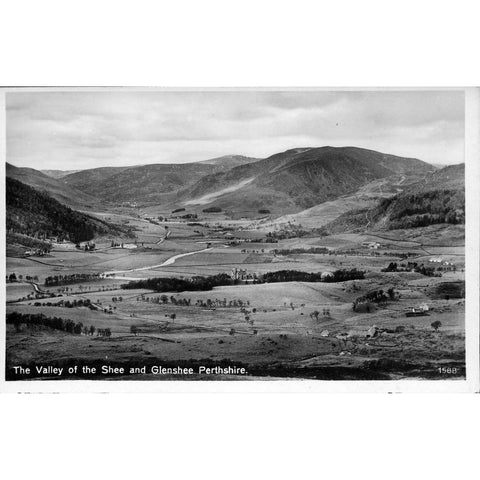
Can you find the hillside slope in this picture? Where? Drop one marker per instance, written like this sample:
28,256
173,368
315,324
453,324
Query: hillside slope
68,195
298,178
58,173
34,213
147,184
439,198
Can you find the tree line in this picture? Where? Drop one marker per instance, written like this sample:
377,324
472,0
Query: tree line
223,279
412,267
67,304
55,323
293,251
342,275
180,284
57,280
187,302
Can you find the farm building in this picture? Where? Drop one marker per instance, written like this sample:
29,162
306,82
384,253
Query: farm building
371,245
241,274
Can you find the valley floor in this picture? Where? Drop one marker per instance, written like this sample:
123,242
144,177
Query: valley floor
283,338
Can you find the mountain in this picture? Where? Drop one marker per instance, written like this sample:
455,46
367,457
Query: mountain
147,184
438,198
88,180
34,213
58,173
449,177
54,187
283,183
297,179
230,161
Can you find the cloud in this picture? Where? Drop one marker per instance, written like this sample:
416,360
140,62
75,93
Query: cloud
74,130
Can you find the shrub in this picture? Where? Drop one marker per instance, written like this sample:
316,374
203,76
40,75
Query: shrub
212,210
436,325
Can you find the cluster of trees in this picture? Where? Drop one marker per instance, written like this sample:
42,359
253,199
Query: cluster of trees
57,280
344,275
376,296
315,314
104,332
67,304
293,251
212,210
164,299
290,276
187,302
264,211
217,303
14,278
403,255
56,323
223,279
292,231
26,241
412,267
297,276
180,284
425,208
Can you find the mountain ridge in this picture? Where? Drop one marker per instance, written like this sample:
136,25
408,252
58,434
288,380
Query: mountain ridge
285,182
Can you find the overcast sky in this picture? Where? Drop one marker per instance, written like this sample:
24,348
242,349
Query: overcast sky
78,130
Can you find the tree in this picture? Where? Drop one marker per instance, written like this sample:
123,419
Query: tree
436,325
134,329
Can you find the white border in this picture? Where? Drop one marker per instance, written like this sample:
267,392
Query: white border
471,384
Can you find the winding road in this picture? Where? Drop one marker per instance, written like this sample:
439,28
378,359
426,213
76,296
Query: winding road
168,261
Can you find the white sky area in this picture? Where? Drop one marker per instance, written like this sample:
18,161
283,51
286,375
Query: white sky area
79,130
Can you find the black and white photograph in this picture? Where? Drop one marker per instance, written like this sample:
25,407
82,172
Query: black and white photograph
240,239
235,234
